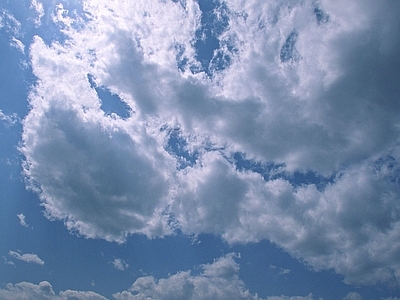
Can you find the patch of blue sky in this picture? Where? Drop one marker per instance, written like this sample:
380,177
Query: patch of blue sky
209,49
180,57
49,29
389,166
321,16
178,147
110,103
271,171
288,51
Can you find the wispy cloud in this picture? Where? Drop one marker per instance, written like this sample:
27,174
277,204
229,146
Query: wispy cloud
120,264
28,257
37,6
281,271
22,221
8,119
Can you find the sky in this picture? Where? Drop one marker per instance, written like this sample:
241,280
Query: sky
200,149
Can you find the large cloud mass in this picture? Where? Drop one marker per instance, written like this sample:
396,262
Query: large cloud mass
226,143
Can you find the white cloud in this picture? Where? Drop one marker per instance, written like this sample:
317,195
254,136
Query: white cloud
43,290
16,43
22,221
9,23
218,280
8,119
37,6
27,257
333,111
120,264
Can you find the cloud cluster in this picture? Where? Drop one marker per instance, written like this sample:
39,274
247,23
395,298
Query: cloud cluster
311,87
218,280
43,290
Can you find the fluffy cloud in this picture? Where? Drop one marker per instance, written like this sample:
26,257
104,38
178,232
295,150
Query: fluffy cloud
28,257
218,280
309,87
43,290
103,175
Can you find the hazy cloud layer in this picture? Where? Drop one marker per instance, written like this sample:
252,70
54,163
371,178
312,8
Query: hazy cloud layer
310,88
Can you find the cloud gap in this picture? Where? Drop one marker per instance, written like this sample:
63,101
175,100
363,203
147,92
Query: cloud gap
177,146
111,103
210,54
271,171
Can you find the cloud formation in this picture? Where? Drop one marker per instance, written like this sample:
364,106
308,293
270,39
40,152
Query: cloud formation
27,257
43,290
217,280
301,88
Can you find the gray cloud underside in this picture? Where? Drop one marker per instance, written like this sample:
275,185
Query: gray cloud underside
328,104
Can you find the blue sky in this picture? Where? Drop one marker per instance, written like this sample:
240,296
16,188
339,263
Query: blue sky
185,149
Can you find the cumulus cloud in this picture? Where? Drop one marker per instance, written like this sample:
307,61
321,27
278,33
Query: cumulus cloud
310,88
43,290
218,280
27,257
